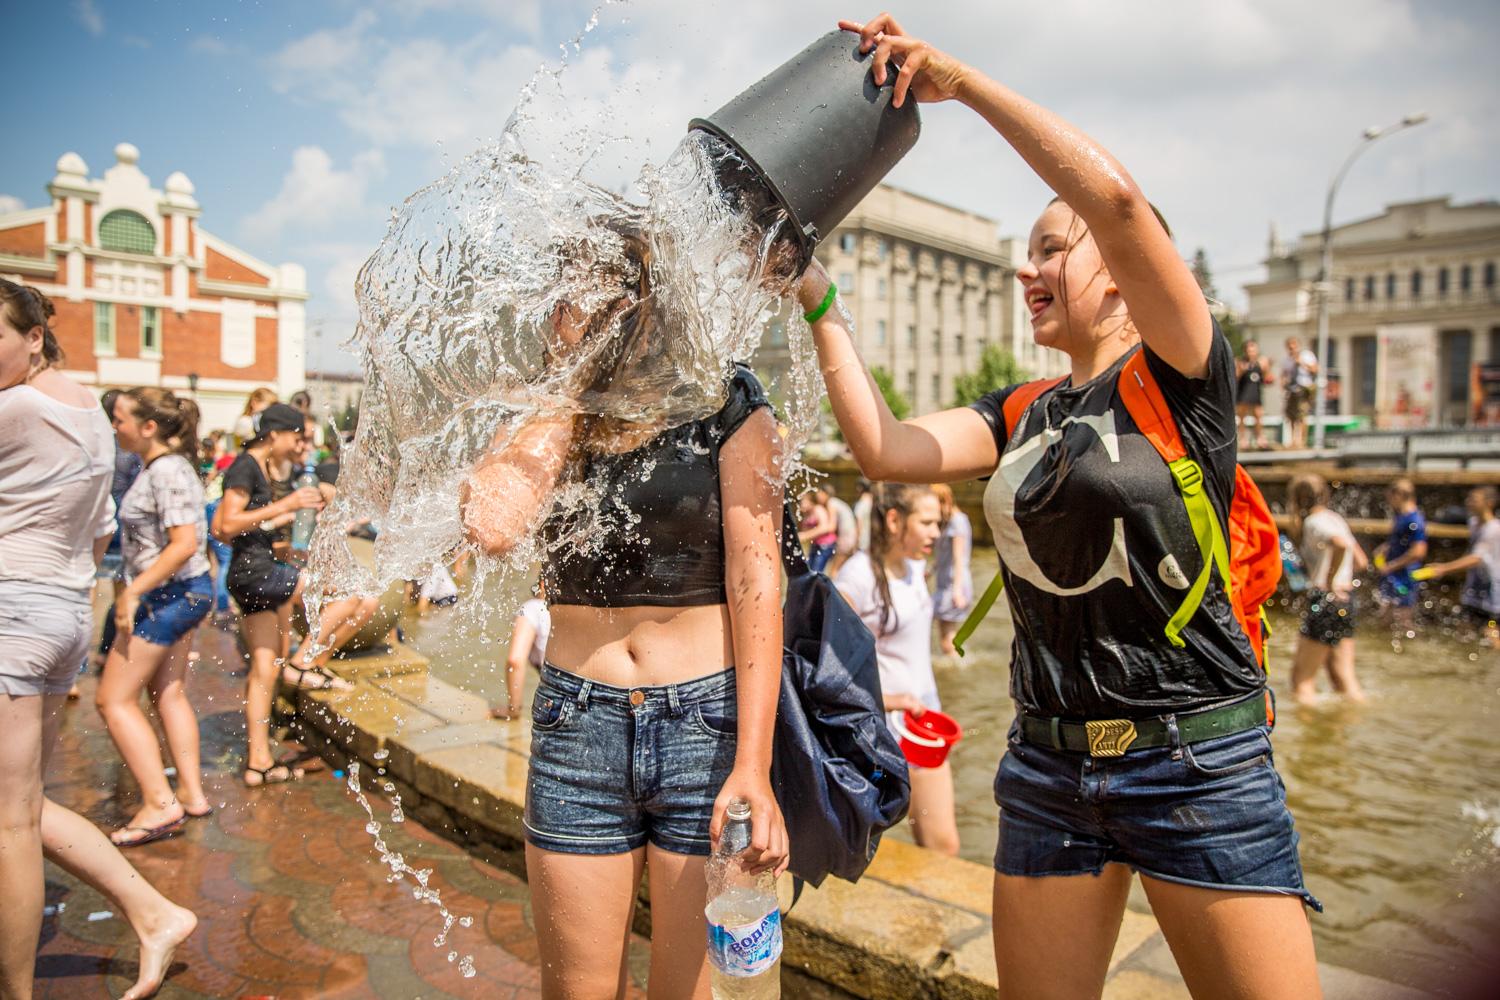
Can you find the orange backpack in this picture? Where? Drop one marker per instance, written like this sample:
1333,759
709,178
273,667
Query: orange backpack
1249,560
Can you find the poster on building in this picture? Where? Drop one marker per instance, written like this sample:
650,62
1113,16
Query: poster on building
1485,392
1406,376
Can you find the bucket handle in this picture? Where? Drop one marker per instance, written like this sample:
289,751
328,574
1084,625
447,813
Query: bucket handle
932,743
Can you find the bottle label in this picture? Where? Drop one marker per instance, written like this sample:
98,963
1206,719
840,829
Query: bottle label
748,950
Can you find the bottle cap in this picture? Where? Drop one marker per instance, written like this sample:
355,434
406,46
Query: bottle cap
739,809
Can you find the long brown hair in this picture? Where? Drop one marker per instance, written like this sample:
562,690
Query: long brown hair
1081,228
26,309
902,498
1306,492
176,418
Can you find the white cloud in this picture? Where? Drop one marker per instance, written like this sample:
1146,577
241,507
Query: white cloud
315,195
88,14
10,203
208,45
1231,115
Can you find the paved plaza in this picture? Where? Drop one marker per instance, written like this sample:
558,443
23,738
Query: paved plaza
293,899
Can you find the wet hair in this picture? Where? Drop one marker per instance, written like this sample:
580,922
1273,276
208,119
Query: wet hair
1305,492
176,418
25,308
258,399
902,498
1071,241
107,401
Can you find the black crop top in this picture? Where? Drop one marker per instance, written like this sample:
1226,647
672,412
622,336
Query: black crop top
656,535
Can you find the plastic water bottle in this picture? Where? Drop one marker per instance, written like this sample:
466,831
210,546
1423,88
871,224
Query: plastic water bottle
306,518
744,919
1291,566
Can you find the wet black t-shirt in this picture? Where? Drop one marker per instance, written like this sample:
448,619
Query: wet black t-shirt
656,537
1098,552
244,473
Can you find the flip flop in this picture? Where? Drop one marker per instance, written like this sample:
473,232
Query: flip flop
326,680
150,834
277,774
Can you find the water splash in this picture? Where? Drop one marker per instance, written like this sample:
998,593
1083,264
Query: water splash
421,892
459,319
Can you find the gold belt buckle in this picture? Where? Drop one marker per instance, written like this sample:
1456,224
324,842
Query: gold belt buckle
1110,737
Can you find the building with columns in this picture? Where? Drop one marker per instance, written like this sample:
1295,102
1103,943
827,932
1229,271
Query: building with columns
929,285
1414,306
144,296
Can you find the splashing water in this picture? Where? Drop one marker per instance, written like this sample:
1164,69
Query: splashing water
421,892
458,318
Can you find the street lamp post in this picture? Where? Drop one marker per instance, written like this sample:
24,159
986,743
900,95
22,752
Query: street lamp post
1325,269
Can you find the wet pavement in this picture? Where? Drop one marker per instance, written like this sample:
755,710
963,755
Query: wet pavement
292,897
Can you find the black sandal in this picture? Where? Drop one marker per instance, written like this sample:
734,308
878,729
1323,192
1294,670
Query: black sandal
326,681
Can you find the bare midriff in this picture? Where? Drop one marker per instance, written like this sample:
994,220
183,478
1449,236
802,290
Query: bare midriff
640,646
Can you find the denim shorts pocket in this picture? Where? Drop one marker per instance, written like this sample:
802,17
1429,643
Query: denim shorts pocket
717,719
549,710
1230,754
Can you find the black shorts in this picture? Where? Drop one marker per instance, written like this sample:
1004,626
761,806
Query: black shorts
261,584
1298,402
1328,620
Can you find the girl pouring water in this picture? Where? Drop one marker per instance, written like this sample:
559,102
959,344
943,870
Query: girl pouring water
1131,751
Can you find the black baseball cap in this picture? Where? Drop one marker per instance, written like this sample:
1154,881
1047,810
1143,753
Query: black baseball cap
279,417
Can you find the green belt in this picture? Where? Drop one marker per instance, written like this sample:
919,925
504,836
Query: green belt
1112,737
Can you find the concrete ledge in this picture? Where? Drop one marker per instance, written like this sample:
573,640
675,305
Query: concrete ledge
917,924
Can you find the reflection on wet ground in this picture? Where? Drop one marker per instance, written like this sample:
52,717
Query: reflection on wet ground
1397,801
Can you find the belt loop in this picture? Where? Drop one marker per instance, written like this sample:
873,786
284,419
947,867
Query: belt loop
1174,738
674,703
1057,743
583,694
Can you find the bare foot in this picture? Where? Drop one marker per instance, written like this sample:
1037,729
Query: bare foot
159,940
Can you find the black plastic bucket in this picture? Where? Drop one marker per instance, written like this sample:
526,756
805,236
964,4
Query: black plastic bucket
817,133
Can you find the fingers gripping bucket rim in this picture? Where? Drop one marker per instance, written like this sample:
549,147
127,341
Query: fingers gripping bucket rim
817,133
926,739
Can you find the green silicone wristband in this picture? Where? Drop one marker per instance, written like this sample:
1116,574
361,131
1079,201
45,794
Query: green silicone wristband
825,305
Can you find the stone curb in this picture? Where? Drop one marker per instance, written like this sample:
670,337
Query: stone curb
917,924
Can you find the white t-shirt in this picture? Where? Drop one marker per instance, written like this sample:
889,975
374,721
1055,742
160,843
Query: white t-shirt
1298,371
904,647
535,612
862,508
1318,532
167,494
56,465
1482,584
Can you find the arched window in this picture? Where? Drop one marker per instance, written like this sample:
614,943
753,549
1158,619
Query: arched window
127,232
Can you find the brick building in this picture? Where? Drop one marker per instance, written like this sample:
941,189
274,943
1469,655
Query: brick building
144,296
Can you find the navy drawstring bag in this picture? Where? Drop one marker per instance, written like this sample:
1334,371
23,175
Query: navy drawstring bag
836,769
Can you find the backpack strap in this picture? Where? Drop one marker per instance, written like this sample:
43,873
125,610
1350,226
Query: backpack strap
1148,408
1021,397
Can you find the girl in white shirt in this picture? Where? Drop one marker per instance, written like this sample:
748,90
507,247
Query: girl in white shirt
887,588
1332,558
168,592
56,462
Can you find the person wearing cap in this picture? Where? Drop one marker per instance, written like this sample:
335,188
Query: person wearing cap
263,586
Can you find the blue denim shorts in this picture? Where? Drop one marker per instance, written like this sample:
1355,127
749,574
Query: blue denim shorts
174,609
613,767
1211,814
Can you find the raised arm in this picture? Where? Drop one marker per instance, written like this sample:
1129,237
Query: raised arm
1155,282
936,448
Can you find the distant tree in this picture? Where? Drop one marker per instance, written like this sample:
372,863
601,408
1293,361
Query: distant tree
349,418
998,368
1234,330
1204,276
894,398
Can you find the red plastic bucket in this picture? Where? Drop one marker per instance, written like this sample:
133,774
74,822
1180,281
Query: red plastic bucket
926,739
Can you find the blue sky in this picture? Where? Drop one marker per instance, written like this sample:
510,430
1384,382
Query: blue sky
303,123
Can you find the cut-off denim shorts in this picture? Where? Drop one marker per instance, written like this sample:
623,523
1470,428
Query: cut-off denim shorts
174,609
1211,814
44,634
613,767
